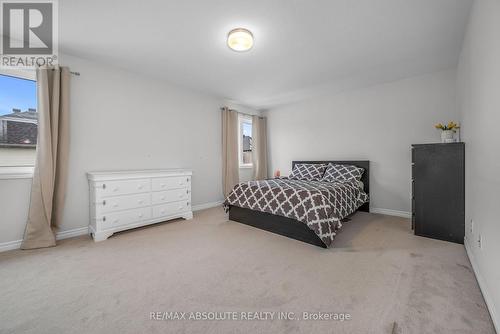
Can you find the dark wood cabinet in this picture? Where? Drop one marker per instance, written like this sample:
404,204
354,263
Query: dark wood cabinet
438,197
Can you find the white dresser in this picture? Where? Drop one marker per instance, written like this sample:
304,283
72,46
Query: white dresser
121,200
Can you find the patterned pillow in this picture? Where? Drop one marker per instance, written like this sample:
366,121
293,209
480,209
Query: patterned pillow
308,172
342,173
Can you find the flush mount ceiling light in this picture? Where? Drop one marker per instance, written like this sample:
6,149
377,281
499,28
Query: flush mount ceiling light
240,39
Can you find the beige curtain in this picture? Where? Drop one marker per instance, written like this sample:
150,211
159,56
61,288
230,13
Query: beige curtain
259,147
230,163
49,179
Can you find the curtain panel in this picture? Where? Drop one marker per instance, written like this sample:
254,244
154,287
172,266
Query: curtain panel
230,162
49,178
259,147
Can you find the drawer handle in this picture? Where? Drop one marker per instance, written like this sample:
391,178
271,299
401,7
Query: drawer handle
187,203
104,186
187,179
187,191
104,218
104,202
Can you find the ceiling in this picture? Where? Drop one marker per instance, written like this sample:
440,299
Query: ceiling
300,45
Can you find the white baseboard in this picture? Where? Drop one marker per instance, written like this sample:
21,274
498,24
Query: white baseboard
206,205
390,212
9,245
16,244
482,286
72,233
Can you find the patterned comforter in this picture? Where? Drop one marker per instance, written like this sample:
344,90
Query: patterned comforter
319,205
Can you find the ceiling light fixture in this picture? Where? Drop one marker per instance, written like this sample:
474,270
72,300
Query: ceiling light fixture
240,39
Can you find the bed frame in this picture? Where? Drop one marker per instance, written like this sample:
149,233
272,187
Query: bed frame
290,227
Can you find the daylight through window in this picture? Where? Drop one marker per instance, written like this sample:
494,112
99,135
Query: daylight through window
18,121
245,141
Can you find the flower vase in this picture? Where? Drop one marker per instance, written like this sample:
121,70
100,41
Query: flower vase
447,136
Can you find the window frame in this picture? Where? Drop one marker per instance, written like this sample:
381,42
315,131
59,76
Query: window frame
242,119
25,171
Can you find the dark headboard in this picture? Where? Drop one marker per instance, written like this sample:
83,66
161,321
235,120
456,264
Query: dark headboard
365,164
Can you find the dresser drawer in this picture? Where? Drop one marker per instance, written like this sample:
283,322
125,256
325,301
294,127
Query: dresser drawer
121,200
170,196
167,183
170,209
121,218
124,202
115,188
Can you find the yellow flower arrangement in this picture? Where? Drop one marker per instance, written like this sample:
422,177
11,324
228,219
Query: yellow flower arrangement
451,126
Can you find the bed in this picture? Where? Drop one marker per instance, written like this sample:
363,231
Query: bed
263,204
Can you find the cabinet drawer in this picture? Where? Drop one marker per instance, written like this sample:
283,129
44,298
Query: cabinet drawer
170,196
171,209
115,188
123,203
121,218
166,183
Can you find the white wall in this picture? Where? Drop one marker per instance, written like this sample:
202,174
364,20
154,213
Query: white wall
14,203
378,123
122,120
479,96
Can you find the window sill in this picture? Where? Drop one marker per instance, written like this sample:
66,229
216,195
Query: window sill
246,166
10,173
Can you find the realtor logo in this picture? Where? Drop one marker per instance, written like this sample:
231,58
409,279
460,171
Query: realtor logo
29,33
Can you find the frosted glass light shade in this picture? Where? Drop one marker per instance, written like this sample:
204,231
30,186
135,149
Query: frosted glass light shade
240,39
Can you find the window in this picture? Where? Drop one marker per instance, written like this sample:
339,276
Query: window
245,141
18,120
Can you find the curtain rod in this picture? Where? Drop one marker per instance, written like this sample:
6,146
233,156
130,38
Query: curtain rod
74,73
239,112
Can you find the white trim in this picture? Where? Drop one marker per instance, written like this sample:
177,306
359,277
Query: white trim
16,244
12,176
206,205
390,212
246,166
482,286
10,245
28,74
19,172
72,233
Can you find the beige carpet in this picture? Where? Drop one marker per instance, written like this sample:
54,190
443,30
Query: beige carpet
379,273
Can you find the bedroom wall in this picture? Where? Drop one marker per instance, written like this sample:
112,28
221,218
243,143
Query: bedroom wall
122,120
14,203
377,123
479,100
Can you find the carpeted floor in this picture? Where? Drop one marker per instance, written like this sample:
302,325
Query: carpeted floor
384,277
